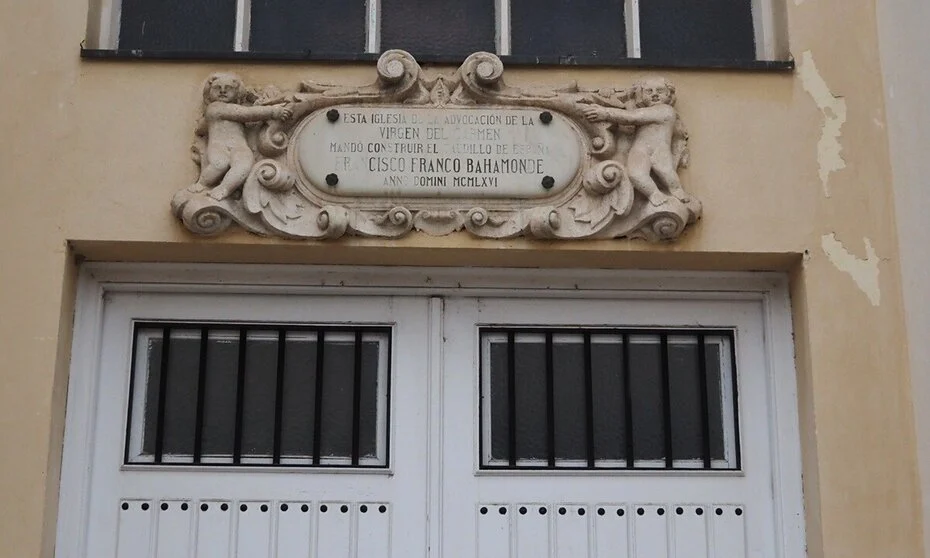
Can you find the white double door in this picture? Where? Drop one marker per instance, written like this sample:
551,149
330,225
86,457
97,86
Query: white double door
434,499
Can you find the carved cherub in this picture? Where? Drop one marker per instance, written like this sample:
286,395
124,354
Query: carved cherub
659,142
227,160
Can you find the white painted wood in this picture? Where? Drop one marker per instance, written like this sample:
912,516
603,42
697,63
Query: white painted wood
373,26
286,293
765,29
611,532
173,532
494,533
689,532
253,529
334,533
571,531
502,8
729,532
374,532
633,43
214,530
434,383
243,28
650,531
532,531
294,530
134,537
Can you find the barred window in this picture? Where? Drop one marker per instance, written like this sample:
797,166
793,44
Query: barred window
258,394
549,31
608,399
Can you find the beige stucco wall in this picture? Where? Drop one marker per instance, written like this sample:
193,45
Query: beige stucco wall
93,151
902,31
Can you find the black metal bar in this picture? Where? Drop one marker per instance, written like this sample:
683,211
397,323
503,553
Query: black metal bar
357,399
318,397
705,410
550,400
628,402
132,384
733,372
201,394
666,402
162,394
279,394
589,400
512,398
240,396
387,402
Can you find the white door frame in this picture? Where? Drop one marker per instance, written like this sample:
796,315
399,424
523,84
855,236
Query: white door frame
97,280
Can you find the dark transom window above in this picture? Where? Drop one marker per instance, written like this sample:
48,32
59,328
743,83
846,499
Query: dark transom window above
714,32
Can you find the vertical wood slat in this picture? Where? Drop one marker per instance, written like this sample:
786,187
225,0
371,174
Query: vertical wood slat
253,530
531,530
214,528
689,532
571,532
611,532
134,530
373,537
650,532
705,398
729,531
173,534
293,530
494,530
334,531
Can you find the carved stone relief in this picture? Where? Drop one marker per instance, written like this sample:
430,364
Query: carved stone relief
566,163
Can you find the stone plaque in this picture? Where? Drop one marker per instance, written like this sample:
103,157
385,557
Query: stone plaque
444,153
439,153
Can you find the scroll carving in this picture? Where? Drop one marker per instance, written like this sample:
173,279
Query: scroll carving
633,146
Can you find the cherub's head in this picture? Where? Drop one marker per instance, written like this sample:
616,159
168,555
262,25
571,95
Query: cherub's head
654,91
227,88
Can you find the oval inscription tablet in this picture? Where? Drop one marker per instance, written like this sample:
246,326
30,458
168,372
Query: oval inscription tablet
438,152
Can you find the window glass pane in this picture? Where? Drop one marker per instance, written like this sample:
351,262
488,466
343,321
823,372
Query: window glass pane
219,401
320,26
686,394
532,416
609,400
646,394
438,27
626,401
238,391
177,25
706,30
569,390
298,396
338,397
499,395
584,28
258,397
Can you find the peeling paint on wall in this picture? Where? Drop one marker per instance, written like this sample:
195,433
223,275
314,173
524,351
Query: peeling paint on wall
829,156
863,271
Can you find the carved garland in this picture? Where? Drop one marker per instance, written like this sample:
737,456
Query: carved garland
627,186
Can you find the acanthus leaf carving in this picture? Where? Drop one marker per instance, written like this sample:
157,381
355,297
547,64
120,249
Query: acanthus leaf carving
628,184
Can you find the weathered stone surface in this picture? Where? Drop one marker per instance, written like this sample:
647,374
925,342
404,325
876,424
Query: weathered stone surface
604,164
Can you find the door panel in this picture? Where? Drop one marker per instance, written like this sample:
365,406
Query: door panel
274,511
599,513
